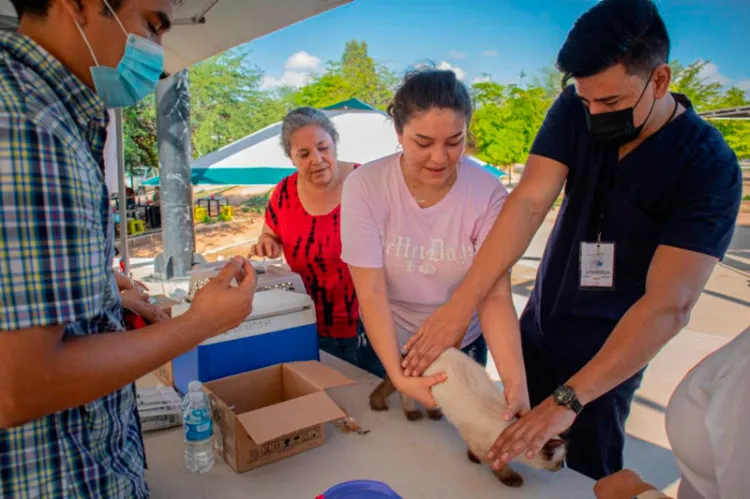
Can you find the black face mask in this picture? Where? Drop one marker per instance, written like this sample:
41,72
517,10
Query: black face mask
617,127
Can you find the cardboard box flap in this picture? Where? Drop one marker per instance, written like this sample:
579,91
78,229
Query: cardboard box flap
319,375
268,423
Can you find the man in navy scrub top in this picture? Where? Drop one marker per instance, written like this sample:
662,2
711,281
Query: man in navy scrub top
651,196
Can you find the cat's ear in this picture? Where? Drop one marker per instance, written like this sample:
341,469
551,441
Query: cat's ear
548,451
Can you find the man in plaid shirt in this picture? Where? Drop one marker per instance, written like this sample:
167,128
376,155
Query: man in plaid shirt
68,426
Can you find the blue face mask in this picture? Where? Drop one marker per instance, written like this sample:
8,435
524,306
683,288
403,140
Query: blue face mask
134,77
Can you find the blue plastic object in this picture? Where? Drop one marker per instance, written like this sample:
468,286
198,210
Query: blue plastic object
361,489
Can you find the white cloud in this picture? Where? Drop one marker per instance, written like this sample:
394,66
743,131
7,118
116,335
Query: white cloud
481,79
710,74
302,61
460,73
744,85
490,53
455,54
298,71
288,79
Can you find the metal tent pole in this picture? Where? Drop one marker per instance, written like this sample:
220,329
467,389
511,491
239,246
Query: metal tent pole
121,191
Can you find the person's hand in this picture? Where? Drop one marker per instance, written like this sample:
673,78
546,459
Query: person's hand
151,313
517,397
621,485
443,329
140,285
267,246
531,432
218,306
134,295
420,388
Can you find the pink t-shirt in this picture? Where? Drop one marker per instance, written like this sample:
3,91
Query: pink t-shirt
425,253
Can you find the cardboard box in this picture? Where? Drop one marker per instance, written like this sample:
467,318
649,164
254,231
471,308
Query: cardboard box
273,413
165,374
163,302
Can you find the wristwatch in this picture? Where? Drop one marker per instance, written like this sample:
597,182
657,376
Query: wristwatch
650,494
566,397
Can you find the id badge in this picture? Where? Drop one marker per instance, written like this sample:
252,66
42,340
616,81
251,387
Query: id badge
597,265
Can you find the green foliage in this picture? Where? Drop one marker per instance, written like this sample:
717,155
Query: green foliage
226,102
706,96
506,121
139,134
356,75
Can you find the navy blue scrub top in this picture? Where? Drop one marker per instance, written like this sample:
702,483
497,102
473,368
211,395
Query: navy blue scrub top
681,187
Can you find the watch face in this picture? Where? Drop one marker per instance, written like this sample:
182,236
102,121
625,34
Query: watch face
564,395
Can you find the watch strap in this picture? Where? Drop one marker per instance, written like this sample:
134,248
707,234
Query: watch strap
575,406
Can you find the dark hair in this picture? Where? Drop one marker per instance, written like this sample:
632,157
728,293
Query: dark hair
425,89
301,117
627,32
39,8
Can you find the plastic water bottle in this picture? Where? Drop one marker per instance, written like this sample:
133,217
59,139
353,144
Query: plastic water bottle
198,430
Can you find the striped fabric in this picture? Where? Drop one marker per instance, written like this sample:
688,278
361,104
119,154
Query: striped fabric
56,249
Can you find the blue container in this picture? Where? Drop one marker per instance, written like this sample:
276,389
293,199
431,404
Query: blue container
361,489
281,328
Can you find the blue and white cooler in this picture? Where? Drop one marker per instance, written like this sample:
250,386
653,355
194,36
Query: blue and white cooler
281,328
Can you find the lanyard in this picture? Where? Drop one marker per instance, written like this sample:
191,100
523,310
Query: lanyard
605,184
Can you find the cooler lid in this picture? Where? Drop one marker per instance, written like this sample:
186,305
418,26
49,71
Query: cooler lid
278,302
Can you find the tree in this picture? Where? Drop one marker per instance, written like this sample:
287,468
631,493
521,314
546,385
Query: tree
549,79
139,134
226,102
355,75
506,122
706,96
689,80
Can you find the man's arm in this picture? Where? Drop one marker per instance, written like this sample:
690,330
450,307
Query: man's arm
675,280
522,214
41,373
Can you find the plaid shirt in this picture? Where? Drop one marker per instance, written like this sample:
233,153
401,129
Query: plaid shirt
56,251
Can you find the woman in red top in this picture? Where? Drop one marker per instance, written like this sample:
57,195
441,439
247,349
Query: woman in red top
303,222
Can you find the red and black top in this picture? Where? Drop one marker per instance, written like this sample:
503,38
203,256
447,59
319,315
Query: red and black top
312,248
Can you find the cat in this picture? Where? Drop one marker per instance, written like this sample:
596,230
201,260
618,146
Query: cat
472,403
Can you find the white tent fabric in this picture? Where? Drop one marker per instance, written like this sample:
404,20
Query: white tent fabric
204,28
259,159
363,136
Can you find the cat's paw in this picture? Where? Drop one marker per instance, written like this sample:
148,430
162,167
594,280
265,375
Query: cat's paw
435,414
509,478
378,404
413,415
472,457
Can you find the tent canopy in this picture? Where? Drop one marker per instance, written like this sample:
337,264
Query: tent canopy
365,134
205,28
731,113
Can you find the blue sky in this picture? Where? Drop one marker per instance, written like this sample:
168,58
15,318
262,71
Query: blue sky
498,37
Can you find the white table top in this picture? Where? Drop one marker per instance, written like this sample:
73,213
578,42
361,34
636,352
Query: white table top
425,459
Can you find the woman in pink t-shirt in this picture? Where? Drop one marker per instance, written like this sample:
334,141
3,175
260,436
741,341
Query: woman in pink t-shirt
411,225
